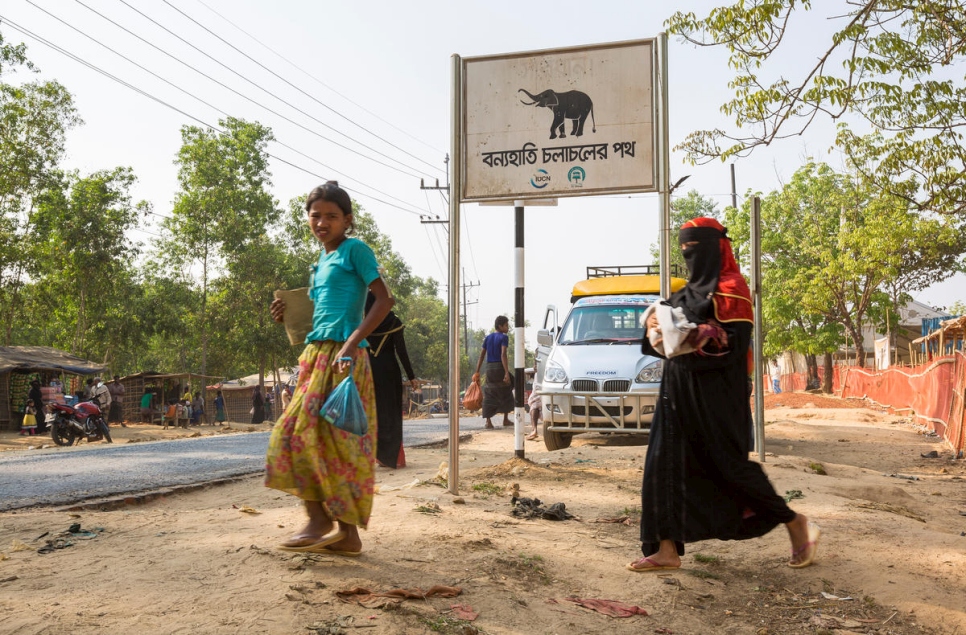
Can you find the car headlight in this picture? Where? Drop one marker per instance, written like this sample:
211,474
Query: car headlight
652,373
554,373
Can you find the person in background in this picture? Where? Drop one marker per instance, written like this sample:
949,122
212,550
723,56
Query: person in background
536,410
147,411
776,377
88,389
386,343
286,397
330,469
258,405
220,415
100,395
29,424
197,409
116,389
698,481
498,388
37,397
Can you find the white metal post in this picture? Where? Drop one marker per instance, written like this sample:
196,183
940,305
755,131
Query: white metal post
455,193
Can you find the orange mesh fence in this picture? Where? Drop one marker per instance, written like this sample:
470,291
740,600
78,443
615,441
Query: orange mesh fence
933,392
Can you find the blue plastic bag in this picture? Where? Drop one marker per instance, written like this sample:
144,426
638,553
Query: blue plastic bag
343,407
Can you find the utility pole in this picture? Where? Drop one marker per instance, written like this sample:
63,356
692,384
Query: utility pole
466,333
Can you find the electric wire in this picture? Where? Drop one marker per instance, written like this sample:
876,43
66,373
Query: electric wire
316,79
232,90
217,109
312,97
270,94
144,93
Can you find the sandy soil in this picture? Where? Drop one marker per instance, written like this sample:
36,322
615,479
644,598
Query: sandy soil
892,558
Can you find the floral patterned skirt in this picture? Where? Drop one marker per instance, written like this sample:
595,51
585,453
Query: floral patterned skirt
314,460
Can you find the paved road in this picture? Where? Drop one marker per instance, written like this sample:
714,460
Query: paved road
60,476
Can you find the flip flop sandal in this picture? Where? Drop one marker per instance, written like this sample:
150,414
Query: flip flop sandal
810,548
654,566
319,546
342,552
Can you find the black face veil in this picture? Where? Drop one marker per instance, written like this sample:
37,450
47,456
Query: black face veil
704,265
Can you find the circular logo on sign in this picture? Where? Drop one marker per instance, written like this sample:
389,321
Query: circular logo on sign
576,176
540,179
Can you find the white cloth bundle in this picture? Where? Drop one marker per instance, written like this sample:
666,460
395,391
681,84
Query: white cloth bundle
670,337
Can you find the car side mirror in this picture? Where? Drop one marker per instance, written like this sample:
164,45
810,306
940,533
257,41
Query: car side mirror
544,338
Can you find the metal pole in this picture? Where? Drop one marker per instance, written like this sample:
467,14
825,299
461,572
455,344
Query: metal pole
519,348
756,296
455,194
663,166
734,204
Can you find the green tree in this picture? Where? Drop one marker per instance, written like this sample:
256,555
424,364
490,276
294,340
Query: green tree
830,249
222,207
891,66
87,271
34,119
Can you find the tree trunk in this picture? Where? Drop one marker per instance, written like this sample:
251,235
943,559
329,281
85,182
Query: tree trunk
828,374
811,370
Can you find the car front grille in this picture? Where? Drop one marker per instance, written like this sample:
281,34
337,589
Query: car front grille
613,411
617,385
584,385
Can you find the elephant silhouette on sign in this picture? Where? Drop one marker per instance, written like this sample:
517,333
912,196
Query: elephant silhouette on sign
572,104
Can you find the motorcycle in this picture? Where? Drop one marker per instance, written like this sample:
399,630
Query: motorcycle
69,424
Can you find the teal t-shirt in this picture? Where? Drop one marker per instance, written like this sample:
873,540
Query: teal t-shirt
338,289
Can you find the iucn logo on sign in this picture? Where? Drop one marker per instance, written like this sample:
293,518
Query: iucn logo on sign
540,179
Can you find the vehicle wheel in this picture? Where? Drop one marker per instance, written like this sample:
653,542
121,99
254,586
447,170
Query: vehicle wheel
556,440
61,434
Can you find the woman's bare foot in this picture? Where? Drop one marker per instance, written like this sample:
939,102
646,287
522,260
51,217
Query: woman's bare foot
804,537
654,563
318,526
489,425
351,544
666,557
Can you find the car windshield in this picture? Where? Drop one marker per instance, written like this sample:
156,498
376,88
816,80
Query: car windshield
602,324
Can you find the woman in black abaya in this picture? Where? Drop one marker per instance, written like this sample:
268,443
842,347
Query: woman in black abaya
385,344
698,480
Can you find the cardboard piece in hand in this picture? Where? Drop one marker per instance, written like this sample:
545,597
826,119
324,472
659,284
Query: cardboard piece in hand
298,313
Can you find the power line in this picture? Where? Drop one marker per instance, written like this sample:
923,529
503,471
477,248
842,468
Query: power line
160,101
245,97
279,77
316,79
212,106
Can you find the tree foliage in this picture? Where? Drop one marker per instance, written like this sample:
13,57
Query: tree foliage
831,247
34,119
221,210
892,67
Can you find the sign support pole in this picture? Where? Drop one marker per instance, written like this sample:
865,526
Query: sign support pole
519,348
663,166
455,193
758,333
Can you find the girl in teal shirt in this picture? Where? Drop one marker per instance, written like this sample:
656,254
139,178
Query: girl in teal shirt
330,469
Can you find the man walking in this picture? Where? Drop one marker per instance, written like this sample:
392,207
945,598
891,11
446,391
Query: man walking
116,389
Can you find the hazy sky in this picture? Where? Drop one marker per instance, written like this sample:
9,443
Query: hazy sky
360,92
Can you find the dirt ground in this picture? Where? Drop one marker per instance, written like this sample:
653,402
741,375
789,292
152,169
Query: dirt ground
892,557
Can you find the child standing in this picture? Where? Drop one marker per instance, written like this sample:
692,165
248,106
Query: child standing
331,470
29,425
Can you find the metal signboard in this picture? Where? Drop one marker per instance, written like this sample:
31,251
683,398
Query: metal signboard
563,122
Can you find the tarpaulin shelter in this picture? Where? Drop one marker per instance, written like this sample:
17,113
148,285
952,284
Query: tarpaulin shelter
19,364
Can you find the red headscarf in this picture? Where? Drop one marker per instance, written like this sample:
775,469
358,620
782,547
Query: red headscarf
729,292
